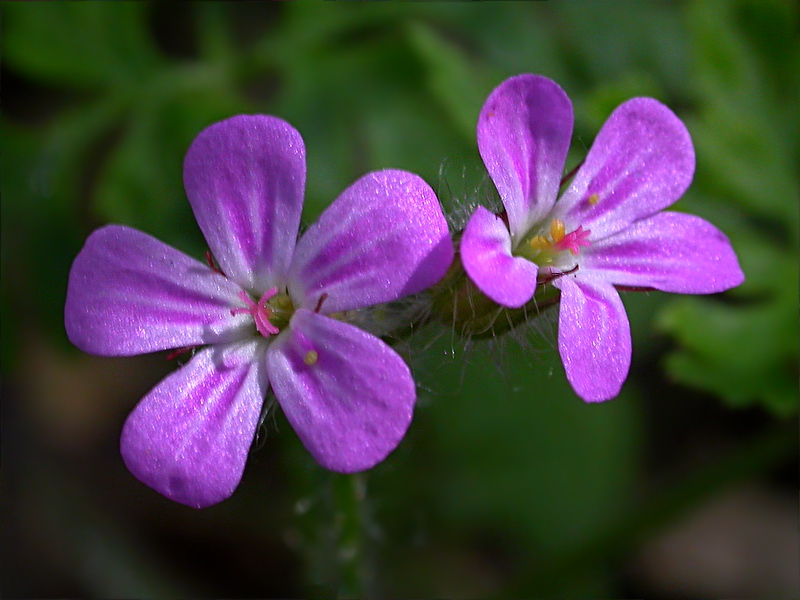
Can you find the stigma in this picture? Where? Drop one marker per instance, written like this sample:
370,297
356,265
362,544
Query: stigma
559,240
260,311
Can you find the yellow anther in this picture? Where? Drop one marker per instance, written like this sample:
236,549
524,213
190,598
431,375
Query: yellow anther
557,230
593,199
540,243
311,357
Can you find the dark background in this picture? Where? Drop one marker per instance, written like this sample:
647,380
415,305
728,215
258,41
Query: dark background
507,483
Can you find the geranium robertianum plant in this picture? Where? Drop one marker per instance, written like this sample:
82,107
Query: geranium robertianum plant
272,312
605,233
299,316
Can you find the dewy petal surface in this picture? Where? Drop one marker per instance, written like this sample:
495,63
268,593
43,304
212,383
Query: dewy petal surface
245,179
129,293
351,401
189,437
641,162
384,238
486,256
524,132
669,251
594,337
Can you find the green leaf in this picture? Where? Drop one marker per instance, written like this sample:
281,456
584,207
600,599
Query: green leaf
605,44
746,355
140,183
39,240
451,77
745,351
85,44
745,140
770,28
594,109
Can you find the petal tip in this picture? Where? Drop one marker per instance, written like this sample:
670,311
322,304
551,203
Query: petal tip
486,256
352,405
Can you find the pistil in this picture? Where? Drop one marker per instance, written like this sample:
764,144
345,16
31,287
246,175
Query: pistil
545,250
260,310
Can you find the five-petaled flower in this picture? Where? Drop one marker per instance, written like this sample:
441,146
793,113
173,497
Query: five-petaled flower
269,316
605,231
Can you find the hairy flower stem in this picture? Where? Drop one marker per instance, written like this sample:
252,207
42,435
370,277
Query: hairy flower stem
455,302
458,302
334,528
349,517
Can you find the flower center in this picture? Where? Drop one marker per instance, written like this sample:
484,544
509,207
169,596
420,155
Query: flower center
270,313
548,250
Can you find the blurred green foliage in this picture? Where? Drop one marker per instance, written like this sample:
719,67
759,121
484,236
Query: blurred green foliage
110,105
747,132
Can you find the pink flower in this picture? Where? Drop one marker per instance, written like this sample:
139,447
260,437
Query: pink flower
272,315
605,231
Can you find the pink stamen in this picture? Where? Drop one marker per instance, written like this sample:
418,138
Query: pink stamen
552,276
210,261
573,241
570,175
178,351
320,301
261,311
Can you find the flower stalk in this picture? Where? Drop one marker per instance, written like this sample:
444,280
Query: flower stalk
349,516
458,303
334,525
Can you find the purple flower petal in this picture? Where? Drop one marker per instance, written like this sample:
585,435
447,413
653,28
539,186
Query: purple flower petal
129,294
670,251
189,437
524,131
245,178
384,238
348,395
641,162
486,256
594,337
